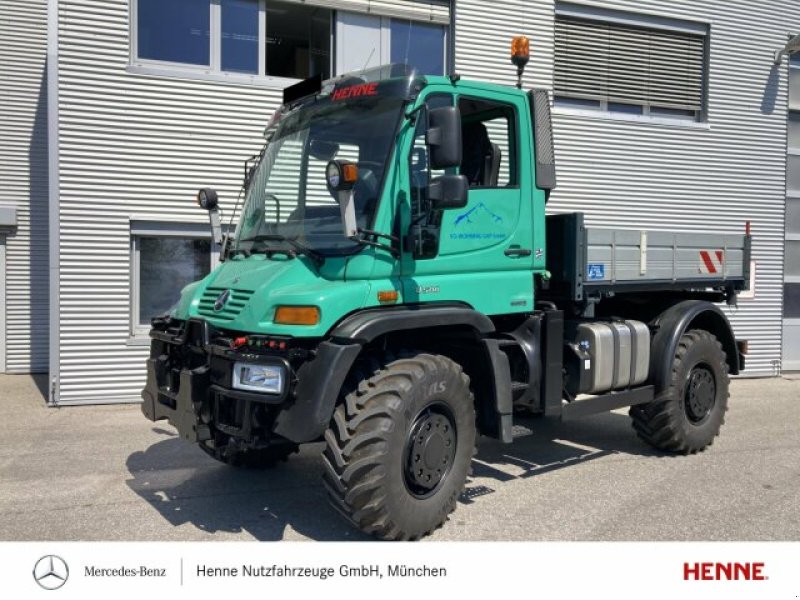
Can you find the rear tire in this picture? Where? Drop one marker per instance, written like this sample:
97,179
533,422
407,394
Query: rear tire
263,458
687,416
399,448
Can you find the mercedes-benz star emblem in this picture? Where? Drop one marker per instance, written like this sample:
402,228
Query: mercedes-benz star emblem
219,303
50,572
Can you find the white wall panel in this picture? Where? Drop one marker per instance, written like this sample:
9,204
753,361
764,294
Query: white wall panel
23,173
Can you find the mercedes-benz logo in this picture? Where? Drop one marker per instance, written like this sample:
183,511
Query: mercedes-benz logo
51,572
219,303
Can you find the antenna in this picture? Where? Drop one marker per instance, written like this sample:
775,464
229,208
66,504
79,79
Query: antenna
408,41
369,58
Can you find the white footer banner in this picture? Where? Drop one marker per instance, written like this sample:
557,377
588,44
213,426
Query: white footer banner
393,570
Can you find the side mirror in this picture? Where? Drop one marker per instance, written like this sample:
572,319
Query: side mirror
341,176
208,199
444,137
448,191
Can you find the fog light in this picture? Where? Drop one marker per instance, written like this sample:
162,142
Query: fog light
258,378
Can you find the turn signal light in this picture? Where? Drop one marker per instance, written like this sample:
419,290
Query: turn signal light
388,296
297,315
349,172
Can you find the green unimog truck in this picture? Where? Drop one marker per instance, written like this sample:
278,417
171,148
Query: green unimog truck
394,289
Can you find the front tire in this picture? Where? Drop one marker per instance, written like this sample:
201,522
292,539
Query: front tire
399,448
687,416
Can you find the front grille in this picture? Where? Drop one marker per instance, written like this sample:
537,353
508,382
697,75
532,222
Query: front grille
236,302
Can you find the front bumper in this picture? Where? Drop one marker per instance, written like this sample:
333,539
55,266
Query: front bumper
189,384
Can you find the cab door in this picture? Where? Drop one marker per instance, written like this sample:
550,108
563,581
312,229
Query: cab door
483,253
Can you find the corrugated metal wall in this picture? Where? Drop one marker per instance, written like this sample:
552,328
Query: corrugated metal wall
136,147
23,173
695,178
132,147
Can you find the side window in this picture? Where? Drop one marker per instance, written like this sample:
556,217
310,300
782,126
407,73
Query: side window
488,136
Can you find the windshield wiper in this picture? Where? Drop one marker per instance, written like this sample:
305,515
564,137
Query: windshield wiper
317,258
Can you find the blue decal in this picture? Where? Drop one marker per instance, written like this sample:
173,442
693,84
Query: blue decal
466,216
596,271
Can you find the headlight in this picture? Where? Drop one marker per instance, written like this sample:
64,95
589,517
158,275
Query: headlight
258,378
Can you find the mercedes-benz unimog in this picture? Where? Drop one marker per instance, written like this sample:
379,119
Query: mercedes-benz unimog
394,288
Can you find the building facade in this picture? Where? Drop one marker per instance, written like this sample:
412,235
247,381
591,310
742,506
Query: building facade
667,115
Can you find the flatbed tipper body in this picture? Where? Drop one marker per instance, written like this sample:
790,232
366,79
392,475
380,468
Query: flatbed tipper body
587,263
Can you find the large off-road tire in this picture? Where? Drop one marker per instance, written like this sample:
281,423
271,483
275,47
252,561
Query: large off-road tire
264,458
687,416
399,448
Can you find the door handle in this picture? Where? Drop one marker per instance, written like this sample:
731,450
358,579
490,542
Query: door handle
517,251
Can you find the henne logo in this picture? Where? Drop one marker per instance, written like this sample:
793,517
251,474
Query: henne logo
731,571
50,572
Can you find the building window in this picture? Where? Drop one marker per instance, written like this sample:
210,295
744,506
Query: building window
253,37
176,31
364,41
239,27
418,44
298,40
618,62
163,262
271,38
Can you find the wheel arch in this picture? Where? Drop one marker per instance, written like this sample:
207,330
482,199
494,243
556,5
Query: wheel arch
677,320
453,330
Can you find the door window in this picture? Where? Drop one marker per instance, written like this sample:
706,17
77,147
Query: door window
489,158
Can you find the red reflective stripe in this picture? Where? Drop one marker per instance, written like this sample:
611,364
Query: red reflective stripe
708,262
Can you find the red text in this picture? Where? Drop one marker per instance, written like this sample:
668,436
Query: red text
713,571
353,91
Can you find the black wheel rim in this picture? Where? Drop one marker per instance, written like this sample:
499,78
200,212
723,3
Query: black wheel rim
701,394
430,450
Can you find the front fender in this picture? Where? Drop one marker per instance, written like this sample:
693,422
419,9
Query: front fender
320,381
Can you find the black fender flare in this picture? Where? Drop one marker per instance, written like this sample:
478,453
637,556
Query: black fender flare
320,380
366,325
674,322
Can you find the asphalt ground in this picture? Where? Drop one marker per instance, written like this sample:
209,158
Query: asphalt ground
106,473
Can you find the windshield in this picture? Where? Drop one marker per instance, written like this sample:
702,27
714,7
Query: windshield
288,196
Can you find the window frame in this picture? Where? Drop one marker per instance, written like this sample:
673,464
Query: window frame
155,229
645,20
